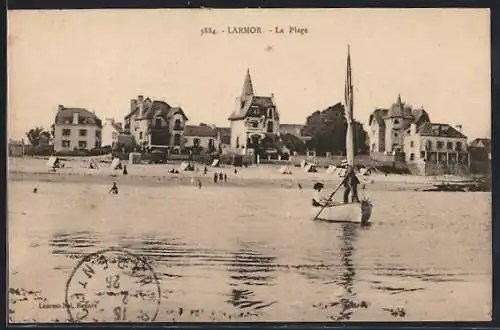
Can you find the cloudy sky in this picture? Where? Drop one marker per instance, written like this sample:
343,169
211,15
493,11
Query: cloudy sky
100,59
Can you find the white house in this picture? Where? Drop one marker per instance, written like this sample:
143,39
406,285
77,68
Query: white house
253,119
76,129
110,132
435,146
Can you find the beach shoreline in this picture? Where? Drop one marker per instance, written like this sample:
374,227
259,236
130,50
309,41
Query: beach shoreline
263,176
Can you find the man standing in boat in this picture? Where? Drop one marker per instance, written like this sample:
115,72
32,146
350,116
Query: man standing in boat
351,182
319,200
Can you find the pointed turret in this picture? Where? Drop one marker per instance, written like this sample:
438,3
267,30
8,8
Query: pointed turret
247,86
399,102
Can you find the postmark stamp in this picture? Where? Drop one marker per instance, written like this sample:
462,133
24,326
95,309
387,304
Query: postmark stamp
112,285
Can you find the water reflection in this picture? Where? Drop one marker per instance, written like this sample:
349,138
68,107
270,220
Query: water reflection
349,235
249,269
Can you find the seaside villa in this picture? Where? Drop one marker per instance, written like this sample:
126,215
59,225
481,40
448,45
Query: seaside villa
156,124
76,129
254,119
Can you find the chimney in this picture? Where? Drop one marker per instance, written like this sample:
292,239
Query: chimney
459,128
60,107
413,129
140,98
75,118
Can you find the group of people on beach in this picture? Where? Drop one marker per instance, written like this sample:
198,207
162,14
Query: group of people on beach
350,182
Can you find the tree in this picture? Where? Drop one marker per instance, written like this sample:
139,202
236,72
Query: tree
36,135
327,129
293,143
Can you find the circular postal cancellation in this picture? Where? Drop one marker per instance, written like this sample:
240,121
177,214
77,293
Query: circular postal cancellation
112,285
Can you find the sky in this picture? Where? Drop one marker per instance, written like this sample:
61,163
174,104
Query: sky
100,59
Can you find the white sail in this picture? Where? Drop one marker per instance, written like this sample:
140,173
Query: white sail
349,99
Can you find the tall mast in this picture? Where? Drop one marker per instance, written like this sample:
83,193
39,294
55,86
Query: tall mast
349,100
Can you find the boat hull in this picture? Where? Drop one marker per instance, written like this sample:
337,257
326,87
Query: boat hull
350,212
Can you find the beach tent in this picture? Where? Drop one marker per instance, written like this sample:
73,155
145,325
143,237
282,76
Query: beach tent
116,163
331,169
185,166
216,163
365,171
285,170
53,162
311,168
93,164
303,163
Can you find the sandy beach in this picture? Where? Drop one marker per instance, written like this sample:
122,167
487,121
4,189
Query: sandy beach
77,171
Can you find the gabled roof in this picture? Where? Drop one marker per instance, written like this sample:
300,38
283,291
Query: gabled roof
85,117
481,143
200,130
157,108
439,130
378,115
259,101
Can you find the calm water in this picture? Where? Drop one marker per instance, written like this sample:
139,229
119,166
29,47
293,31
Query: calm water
254,255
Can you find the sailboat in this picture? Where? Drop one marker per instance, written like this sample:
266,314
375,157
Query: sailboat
346,212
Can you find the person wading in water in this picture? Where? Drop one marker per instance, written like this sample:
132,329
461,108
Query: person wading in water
351,182
114,189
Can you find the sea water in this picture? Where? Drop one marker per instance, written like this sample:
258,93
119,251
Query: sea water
248,254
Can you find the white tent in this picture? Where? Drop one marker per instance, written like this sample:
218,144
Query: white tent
303,163
365,171
185,166
93,164
331,169
310,168
116,163
216,163
53,162
285,170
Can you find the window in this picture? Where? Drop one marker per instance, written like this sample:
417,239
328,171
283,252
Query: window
211,144
270,113
428,145
412,156
458,146
411,144
177,125
140,135
98,134
66,132
97,144
177,140
82,144
82,132
158,123
396,122
422,154
66,143
449,145
255,124
196,142
237,142
440,144
270,126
